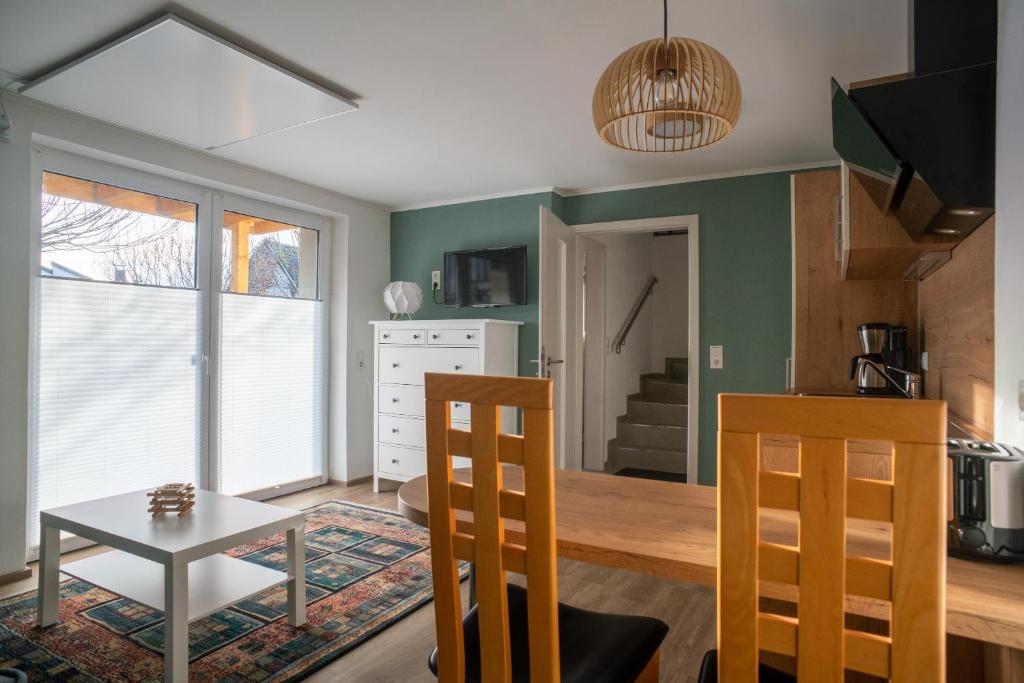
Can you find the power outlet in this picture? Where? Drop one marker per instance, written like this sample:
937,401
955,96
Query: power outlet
717,358
435,279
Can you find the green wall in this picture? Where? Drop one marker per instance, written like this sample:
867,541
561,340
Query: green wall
420,237
745,270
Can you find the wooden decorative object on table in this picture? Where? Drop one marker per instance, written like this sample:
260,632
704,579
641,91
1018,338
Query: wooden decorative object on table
172,498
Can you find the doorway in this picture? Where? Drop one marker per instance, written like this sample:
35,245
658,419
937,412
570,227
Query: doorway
628,387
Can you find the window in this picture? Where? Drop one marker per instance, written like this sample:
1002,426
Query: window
271,369
93,231
269,258
116,388
131,310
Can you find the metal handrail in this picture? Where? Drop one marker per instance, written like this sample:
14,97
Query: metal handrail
620,338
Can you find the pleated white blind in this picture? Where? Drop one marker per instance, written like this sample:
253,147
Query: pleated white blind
271,392
115,392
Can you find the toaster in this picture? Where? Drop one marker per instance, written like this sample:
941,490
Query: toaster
987,515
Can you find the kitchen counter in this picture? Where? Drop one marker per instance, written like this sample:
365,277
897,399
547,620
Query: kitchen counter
956,428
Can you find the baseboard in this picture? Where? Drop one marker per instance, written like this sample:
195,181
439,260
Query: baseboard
351,482
19,575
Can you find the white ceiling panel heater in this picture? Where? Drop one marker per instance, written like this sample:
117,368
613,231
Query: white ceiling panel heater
176,81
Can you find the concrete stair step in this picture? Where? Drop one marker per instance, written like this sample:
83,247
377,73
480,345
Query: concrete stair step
630,432
663,459
677,368
653,412
660,389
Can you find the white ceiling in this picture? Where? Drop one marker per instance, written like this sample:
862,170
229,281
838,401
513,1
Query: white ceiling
460,98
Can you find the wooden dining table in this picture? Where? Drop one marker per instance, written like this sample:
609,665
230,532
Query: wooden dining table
668,530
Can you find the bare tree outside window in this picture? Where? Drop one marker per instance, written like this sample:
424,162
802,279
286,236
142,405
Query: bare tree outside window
100,232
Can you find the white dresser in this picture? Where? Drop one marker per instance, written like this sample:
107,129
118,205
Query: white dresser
405,349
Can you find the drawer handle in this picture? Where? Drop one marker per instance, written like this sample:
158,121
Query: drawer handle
394,400
394,430
434,336
387,336
394,461
469,336
456,405
394,365
415,336
457,367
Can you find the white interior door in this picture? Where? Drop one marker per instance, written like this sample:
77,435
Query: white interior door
590,261
557,323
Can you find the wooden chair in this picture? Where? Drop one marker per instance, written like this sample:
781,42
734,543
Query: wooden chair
492,643
822,568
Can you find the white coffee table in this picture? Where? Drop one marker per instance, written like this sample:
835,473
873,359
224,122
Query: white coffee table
173,563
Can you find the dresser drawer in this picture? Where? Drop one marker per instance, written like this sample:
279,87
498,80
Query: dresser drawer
403,365
400,399
400,335
447,337
405,399
404,431
405,462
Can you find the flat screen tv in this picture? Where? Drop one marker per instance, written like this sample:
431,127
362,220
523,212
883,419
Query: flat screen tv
485,277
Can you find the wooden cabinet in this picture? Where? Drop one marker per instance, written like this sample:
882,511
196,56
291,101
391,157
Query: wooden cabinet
406,349
872,244
827,308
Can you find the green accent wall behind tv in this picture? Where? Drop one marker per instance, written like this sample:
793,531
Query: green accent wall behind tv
745,270
420,238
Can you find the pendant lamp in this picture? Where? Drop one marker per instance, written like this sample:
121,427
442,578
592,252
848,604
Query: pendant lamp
667,95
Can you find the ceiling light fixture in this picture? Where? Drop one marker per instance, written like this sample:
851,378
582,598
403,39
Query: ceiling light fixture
667,95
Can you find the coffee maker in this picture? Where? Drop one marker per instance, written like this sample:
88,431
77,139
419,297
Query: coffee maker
882,367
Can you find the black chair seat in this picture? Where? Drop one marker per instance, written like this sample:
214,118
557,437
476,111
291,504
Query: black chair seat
765,673
593,647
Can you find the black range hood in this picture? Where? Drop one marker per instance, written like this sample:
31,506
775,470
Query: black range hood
937,123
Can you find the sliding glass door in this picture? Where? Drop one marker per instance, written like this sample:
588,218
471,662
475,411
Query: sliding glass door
271,384
164,349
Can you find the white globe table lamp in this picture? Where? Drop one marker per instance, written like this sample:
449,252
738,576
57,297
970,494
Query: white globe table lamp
403,298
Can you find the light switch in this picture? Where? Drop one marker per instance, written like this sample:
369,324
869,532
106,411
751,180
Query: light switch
717,360
360,358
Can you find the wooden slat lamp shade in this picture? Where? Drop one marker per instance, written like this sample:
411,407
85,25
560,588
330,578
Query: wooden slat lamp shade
824,573
490,504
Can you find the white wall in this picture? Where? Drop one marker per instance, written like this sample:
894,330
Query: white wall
1009,247
670,301
360,250
627,269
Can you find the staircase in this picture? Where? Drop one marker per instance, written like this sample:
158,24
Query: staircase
652,435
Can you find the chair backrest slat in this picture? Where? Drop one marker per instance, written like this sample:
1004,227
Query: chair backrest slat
822,576
489,537
919,564
820,566
447,593
491,504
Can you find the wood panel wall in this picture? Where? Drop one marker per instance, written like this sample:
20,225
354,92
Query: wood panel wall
828,309
958,324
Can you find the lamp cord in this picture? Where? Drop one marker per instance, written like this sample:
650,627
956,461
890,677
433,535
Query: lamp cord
665,22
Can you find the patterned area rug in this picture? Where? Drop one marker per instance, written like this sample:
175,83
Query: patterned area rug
365,569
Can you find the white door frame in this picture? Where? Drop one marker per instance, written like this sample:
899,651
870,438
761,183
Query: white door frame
691,224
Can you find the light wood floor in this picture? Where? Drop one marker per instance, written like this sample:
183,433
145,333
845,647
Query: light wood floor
399,654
